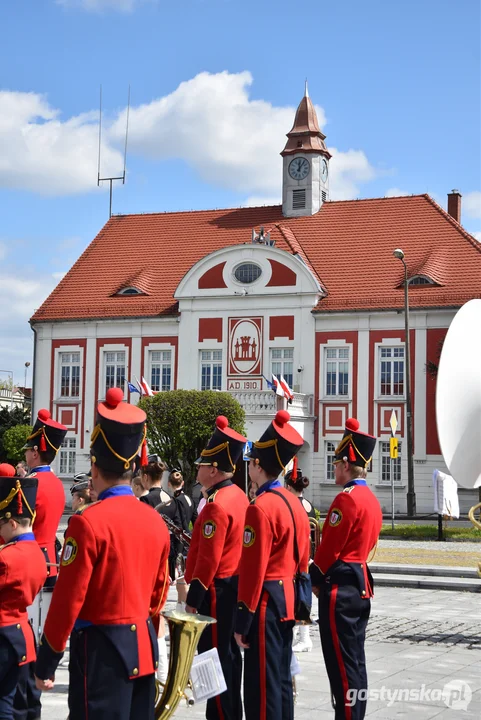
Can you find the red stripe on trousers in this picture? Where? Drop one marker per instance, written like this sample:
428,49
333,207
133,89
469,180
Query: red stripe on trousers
337,649
213,610
262,656
85,679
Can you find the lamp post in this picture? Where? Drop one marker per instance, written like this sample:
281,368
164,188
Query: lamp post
10,372
411,495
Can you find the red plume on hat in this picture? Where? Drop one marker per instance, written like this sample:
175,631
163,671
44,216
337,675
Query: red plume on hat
294,468
144,457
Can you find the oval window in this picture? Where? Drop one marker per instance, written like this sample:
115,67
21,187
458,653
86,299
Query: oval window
247,273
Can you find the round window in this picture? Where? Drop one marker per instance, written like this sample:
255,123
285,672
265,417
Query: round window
247,273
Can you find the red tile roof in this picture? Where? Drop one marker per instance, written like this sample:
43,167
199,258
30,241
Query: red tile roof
347,244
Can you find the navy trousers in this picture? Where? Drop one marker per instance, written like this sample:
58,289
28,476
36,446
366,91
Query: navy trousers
267,665
9,677
220,602
343,617
100,688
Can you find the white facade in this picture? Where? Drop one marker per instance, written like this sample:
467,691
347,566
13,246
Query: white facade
333,361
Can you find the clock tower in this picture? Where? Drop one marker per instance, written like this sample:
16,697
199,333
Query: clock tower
305,181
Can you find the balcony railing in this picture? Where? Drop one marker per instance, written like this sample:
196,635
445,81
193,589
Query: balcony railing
267,403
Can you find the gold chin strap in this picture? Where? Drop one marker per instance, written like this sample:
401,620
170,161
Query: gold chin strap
268,444
41,431
213,451
126,461
344,442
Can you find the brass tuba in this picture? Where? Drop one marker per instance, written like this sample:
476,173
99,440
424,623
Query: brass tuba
185,630
458,400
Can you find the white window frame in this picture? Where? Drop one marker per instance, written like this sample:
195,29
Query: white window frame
390,346
103,367
282,360
384,462
328,453
67,454
163,363
70,364
67,349
211,362
337,360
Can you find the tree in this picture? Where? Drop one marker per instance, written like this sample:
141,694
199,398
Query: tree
13,441
8,419
180,422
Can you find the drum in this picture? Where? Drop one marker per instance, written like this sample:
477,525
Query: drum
38,611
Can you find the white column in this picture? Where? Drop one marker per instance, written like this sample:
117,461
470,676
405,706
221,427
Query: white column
135,365
43,357
362,379
420,379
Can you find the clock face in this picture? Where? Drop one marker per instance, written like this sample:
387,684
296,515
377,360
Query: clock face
324,170
299,168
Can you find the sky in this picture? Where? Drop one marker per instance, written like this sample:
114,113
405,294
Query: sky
214,88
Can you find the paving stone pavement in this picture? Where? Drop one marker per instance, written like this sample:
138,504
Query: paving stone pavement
418,642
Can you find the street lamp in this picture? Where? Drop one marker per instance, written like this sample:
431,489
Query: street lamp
10,372
411,495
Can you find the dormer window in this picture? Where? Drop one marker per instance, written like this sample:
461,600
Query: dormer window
131,290
421,280
247,273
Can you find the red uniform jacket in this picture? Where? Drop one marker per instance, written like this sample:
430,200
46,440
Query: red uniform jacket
267,561
350,532
216,544
114,575
49,507
22,574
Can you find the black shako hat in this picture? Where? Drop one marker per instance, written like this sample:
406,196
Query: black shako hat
356,447
47,434
119,433
17,497
224,448
277,446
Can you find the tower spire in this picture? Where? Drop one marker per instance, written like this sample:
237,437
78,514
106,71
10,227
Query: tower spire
306,90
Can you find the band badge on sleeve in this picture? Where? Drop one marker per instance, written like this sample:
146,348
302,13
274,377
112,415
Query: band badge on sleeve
70,550
249,536
208,529
335,517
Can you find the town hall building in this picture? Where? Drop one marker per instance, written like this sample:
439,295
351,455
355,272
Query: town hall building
223,299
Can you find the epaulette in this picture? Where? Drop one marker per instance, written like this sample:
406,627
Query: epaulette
349,489
211,498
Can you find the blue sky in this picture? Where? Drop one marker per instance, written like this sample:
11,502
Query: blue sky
214,86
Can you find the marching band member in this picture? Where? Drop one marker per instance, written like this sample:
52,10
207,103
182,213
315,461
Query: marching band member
340,575
108,595
22,574
41,449
213,559
296,483
265,608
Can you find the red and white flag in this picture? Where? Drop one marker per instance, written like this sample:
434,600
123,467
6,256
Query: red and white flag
277,386
146,387
287,390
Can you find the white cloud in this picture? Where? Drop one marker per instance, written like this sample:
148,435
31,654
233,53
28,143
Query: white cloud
477,235
102,5
471,204
42,153
19,297
209,122
259,200
3,250
232,141
396,192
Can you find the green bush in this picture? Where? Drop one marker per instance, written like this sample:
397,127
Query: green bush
13,441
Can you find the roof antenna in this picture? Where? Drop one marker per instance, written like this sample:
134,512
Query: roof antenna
122,177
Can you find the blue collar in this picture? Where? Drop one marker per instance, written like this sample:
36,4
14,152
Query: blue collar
268,485
355,482
41,468
116,491
24,536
